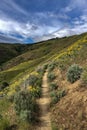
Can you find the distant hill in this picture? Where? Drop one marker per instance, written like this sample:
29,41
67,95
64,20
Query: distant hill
8,51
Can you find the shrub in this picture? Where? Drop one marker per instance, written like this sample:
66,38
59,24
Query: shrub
56,96
33,80
51,76
35,92
51,66
25,105
55,99
61,93
52,94
53,86
74,73
39,81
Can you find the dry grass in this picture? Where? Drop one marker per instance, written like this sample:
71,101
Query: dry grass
70,113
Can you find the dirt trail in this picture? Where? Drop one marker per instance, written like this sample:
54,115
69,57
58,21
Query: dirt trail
44,103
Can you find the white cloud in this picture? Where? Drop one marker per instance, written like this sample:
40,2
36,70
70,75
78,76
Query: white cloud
67,31
26,30
77,29
39,30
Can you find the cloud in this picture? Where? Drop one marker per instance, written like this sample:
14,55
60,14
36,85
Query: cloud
42,25
67,31
25,30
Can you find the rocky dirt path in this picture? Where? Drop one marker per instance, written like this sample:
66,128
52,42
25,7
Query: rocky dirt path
44,102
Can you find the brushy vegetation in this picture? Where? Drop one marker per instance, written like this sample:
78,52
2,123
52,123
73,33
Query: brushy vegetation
56,96
51,76
33,80
53,86
74,73
51,66
25,106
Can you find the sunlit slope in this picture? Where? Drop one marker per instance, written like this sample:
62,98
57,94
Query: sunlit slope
46,49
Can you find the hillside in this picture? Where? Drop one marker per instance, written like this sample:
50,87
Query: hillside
37,54
46,50
8,51
68,99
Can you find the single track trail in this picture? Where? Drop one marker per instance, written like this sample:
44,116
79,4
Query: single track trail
44,103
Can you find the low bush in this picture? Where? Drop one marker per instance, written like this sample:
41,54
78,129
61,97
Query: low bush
35,91
25,105
53,86
33,80
56,96
74,73
51,66
51,76
52,94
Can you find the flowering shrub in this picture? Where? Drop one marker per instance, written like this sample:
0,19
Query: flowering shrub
35,91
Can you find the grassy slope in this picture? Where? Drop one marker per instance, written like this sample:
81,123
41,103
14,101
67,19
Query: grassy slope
37,54
8,51
70,112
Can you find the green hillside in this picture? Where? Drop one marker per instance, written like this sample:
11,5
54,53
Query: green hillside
37,54
8,51
46,50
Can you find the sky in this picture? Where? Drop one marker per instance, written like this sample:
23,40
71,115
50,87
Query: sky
30,21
